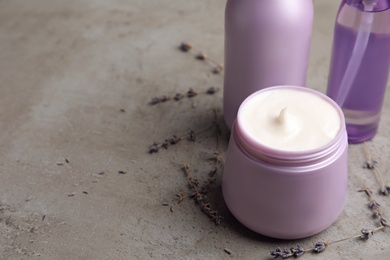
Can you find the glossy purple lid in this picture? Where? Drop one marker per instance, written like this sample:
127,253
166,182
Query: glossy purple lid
381,5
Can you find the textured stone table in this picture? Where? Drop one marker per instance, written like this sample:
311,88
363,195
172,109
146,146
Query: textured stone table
76,181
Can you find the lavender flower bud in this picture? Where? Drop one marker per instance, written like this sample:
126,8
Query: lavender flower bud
374,205
178,96
191,93
366,233
155,101
370,164
297,251
154,148
319,247
286,253
276,253
192,136
384,191
185,46
211,90
174,139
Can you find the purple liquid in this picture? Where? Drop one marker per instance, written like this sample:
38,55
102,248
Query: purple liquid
363,105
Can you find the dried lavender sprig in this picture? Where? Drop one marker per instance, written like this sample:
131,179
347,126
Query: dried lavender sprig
375,207
365,233
179,96
180,197
320,247
191,136
185,46
200,55
212,175
371,164
157,100
199,192
288,252
200,198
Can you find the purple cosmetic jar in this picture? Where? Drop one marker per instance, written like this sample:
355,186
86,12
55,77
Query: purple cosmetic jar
286,194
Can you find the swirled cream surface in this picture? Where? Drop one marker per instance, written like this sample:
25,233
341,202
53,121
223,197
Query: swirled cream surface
289,119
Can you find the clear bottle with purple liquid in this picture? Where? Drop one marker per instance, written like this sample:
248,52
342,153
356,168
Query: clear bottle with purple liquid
360,64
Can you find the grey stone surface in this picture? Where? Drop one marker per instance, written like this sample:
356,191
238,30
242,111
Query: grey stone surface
75,81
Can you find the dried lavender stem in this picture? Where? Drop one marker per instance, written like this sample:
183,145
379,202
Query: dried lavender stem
187,47
206,129
155,147
379,175
377,229
321,246
368,193
199,197
179,96
367,152
371,165
352,237
217,132
199,192
211,61
375,207
217,135
216,158
343,239
215,63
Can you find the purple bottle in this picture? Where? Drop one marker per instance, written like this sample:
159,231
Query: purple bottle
267,43
360,64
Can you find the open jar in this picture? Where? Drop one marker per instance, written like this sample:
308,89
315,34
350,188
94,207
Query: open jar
283,190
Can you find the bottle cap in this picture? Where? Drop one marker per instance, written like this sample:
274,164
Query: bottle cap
381,5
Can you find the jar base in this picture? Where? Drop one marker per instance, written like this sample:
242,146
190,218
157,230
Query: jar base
282,201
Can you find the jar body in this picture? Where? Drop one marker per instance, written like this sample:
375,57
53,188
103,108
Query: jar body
285,202
267,43
359,72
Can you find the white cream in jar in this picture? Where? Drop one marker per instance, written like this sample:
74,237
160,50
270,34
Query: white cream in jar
289,119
